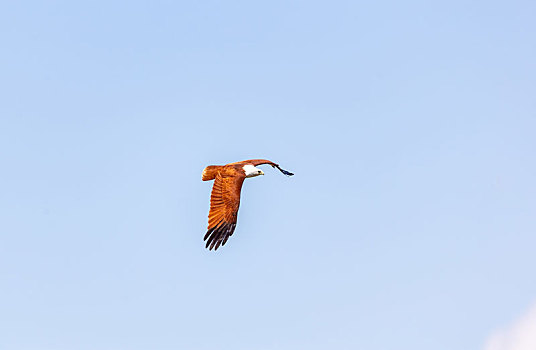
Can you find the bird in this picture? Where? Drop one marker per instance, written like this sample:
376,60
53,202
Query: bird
225,196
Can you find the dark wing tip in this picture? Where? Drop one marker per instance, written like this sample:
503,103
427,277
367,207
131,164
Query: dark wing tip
219,235
288,173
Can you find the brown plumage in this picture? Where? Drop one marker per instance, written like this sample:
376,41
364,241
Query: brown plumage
225,196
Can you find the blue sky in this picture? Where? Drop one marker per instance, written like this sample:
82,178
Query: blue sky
409,125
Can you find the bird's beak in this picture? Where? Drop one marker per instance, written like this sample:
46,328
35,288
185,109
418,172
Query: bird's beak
262,172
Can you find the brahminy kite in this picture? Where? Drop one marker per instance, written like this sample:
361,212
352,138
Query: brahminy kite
225,196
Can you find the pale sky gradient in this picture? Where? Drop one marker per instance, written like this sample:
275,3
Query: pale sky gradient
410,126
521,335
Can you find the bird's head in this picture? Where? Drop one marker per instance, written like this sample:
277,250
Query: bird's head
252,171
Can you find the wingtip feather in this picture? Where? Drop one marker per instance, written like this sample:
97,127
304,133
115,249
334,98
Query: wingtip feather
285,172
218,235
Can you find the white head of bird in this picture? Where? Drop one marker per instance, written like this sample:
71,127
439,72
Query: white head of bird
252,171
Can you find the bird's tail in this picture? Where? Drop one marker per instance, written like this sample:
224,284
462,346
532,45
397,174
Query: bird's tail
210,172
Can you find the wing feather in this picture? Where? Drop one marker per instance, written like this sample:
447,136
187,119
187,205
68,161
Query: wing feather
257,162
224,204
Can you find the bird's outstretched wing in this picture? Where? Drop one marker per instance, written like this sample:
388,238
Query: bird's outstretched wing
224,204
256,162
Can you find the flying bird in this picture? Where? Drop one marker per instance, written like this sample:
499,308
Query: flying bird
225,196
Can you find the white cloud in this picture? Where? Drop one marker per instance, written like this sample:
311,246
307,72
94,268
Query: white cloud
521,335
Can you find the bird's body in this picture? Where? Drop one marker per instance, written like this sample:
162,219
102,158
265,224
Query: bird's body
225,196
